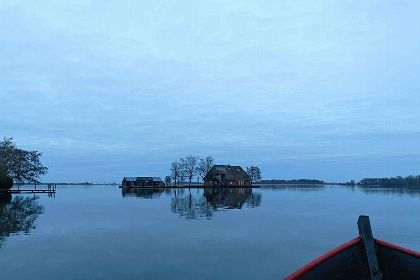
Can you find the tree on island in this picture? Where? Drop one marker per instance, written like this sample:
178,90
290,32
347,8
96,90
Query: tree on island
188,165
19,166
168,180
254,172
181,176
205,165
175,172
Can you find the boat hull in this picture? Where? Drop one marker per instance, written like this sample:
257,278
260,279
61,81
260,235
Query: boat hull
349,261
397,262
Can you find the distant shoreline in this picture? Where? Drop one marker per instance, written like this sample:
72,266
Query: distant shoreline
71,184
263,185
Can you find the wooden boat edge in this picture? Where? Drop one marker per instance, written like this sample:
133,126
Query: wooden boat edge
311,265
398,248
371,245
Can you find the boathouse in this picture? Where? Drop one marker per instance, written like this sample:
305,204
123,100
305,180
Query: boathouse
227,176
142,182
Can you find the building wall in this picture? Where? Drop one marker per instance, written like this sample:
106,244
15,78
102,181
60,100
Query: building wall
209,183
128,183
144,183
238,183
248,184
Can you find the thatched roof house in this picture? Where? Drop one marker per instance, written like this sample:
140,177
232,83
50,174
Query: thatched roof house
227,176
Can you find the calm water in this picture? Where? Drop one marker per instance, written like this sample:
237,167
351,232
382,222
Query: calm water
100,232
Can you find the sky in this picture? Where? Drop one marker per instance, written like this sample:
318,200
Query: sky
303,89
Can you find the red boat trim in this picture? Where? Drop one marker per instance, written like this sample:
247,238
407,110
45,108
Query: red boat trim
309,266
398,248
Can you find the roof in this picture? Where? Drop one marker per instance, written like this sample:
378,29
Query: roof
145,178
231,172
130,179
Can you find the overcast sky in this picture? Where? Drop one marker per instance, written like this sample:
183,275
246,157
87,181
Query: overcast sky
304,89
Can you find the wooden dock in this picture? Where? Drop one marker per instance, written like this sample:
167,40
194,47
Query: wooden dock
52,188
30,191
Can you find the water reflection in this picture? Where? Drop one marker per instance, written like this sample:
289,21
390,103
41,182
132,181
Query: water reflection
308,188
18,215
190,206
199,203
145,193
232,198
413,192
203,203
389,190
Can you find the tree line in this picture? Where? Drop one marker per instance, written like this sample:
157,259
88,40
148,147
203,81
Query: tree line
188,168
409,181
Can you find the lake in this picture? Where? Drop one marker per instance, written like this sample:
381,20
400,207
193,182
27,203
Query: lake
103,232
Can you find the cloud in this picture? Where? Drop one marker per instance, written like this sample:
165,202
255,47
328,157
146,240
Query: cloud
258,82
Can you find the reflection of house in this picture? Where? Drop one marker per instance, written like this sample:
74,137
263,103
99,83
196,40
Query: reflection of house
227,176
141,192
227,197
142,182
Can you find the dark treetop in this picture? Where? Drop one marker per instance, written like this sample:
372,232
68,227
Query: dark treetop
20,165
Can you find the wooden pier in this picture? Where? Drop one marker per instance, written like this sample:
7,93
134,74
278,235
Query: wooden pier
52,188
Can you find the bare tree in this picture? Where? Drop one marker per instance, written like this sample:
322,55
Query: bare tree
168,180
197,174
208,163
175,172
204,166
254,172
189,165
181,176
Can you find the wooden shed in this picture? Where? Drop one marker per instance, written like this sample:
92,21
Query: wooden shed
142,182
